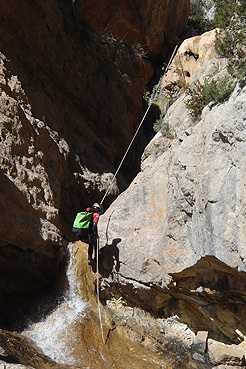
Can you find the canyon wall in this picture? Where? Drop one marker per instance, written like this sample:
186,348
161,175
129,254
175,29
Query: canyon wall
179,230
70,101
172,246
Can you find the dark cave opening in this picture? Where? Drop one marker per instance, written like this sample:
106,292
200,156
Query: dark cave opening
32,284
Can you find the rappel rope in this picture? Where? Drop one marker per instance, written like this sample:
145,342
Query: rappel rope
171,59
98,295
126,152
98,299
149,105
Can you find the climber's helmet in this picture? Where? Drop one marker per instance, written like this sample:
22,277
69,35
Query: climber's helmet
97,207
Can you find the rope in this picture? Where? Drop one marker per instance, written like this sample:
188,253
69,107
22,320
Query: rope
150,103
108,226
126,152
98,297
172,56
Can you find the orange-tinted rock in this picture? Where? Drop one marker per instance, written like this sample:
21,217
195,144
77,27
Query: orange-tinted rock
148,25
70,101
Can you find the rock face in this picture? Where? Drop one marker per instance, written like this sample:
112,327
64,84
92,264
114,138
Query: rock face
120,344
180,226
70,100
172,244
195,59
150,25
182,223
220,353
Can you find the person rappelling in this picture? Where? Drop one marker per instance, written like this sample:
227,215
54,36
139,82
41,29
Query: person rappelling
85,228
85,223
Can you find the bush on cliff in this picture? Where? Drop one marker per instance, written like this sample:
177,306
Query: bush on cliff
198,19
230,17
200,95
161,125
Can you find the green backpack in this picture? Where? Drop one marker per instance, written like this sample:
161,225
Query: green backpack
82,221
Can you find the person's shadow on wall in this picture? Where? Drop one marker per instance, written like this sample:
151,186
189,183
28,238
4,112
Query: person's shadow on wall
109,258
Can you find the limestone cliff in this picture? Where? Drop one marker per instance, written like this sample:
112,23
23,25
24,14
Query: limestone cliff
70,100
181,224
172,246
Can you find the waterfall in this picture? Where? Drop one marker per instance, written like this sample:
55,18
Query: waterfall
56,334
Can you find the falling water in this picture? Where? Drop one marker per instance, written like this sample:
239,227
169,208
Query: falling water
56,333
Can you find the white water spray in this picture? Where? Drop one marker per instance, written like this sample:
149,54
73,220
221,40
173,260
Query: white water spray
56,335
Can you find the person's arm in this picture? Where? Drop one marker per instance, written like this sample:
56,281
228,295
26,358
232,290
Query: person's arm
94,224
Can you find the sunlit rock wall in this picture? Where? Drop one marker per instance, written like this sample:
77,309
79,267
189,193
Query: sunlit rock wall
181,223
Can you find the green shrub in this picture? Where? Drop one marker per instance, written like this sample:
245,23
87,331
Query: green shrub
225,10
163,126
197,19
230,42
202,94
152,97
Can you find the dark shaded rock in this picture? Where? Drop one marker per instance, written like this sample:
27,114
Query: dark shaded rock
70,100
149,26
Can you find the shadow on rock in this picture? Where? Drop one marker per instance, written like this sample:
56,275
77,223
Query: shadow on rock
109,258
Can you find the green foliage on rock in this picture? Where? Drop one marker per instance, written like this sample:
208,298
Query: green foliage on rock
152,97
163,126
230,20
198,16
225,10
200,95
230,42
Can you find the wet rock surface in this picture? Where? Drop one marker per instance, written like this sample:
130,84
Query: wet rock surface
22,350
131,337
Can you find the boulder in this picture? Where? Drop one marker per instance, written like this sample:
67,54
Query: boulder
195,59
200,342
219,353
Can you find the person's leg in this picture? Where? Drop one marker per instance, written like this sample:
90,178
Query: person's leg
95,248
90,251
90,248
